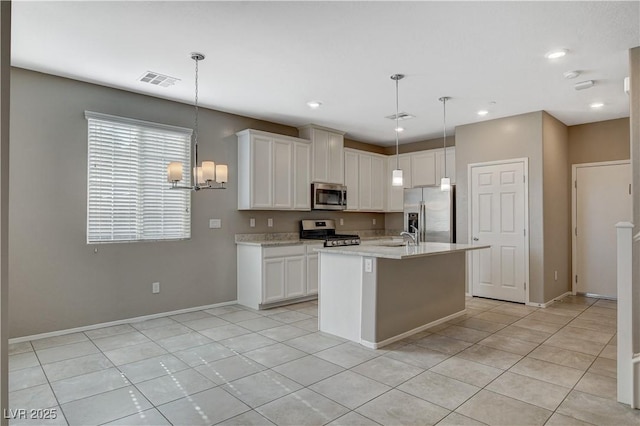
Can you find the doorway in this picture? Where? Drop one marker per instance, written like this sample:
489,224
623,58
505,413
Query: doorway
601,198
498,216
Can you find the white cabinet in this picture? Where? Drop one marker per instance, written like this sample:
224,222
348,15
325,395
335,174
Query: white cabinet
268,275
365,180
395,194
351,179
273,172
312,269
423,168
451,164
327,153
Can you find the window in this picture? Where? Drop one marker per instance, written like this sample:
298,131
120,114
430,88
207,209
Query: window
128,193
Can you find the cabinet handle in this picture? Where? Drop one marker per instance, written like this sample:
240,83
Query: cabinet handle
476,239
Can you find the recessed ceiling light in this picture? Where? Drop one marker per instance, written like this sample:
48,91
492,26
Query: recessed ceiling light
483,112
555,54
314,104
399,129
596,105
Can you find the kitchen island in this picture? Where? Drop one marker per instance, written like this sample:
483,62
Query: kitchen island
375,294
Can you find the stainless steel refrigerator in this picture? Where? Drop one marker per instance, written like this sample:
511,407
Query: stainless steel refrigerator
432,212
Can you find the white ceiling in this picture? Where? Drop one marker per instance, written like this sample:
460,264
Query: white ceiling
267,59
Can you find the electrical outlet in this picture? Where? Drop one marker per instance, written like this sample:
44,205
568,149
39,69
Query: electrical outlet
341,221
270,222
155,287
374,221
555,275
252,222
215,223
368,265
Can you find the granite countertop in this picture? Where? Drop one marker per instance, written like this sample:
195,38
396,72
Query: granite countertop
392,249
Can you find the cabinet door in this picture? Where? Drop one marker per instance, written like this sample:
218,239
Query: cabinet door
295,276
395,194
282,174
301,176
451,164
364,179
351,180
273,280
312,274
423,169
262,178
378,184
320,155
335,166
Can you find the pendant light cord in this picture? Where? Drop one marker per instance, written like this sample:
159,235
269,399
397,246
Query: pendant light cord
444,132
397,151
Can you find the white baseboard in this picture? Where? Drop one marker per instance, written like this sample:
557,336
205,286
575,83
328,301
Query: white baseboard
118,322
378,345
550,302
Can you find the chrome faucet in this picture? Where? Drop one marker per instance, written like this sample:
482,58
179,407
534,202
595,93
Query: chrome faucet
415,236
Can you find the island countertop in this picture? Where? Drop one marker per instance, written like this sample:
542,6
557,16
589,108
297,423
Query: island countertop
388,250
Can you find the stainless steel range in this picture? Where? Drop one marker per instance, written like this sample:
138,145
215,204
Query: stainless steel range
326,230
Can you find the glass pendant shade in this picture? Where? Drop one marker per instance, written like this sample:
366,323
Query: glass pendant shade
222,173
445,184
396,178
198,173
174,171
208,171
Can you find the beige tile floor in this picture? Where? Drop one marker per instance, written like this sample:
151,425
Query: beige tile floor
502,363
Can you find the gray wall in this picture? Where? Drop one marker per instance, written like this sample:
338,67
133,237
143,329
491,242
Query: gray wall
601,141
557,207
506,138
634,118
5,72
52,271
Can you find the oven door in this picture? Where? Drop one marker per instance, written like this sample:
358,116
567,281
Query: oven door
328,196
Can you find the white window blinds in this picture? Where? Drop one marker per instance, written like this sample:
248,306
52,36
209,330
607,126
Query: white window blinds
128,195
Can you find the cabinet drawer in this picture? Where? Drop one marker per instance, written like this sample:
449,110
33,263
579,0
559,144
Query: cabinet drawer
311,247
283,251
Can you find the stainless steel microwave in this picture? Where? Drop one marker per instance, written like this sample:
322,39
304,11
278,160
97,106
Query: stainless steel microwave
328,196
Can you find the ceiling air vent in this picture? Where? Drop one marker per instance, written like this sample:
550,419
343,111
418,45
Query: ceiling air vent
158,79
401,116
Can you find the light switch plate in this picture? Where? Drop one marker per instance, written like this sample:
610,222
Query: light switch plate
270,222
374,221
215,223
341,221
252,222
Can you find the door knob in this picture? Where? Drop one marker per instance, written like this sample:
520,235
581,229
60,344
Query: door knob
476,239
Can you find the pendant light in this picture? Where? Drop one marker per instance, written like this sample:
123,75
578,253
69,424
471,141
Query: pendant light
445,182
209,175
396,177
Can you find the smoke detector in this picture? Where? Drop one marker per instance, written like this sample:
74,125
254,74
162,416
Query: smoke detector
158,79
401,116
584,85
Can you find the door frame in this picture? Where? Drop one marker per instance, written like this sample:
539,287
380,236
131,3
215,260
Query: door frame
525,162
574,213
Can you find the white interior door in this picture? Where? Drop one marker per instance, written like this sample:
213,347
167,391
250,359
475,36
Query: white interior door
602,198
498,218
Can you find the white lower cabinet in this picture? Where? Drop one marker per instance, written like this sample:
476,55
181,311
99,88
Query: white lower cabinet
269,275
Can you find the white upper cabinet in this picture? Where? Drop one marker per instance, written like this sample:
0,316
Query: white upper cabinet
351,179
327,155
365,180
395,194
423,168
451,164
273,172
